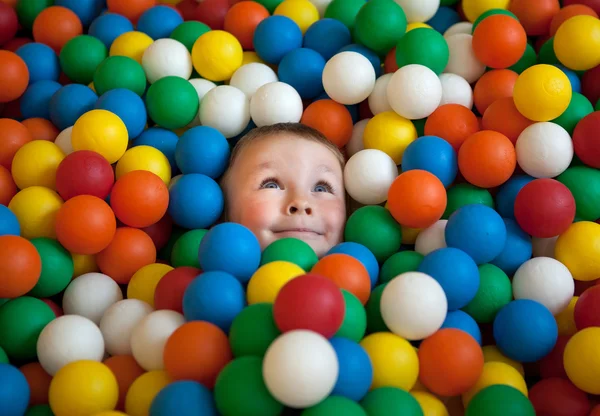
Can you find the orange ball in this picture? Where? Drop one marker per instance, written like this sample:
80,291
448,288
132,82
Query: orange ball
453,123
502,116
41,129
390,65
85,224
499,41
450,362
14,76
417,199
126,371
567,12
20,266
493,85
347,273
55,26
241,21
130,250
487,159
131,9
8,188
330,118
39,383
535,16
197,351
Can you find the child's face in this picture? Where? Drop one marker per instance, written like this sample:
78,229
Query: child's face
288,187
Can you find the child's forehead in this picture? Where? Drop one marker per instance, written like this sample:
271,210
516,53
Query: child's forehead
276,147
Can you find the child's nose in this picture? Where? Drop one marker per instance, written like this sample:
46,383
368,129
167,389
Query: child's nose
299,207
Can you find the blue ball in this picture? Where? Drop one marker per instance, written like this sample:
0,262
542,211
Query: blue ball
110,26
128,106
15,392
303,68
517,249
443,19
361,253
215,297
41,60
573,77
367,53
525,330
69,103
195,201
356,371
9,224
477,230
505,198
86,10
184,398
202,150
463,321
158,22
275,37
35,102
327,37
231,248
161,139
433,154
456,272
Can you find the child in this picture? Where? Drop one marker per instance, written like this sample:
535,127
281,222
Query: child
285,180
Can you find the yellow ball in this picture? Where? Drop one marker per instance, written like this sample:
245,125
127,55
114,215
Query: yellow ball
143,283
143,390
131,44
417,25
36,208
496,373
577,43
578,248
111,413
145,158
268,280
389,133
431,405
216,55
542,92
101,131
83,388
475,8
409,235
581,360
395,361
565,320
251,57
491,353
84,263
35,164
302,12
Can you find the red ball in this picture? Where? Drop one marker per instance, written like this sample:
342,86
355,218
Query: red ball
9,23
544,208
590,84
170,289
58,312
558,397
160,232
586,139
587,308
210,12
84,173
310,302
593,4
15,43
552,365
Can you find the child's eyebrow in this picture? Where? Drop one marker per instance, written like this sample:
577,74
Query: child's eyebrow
324,169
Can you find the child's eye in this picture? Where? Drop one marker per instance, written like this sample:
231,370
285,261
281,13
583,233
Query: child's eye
323,187
269,183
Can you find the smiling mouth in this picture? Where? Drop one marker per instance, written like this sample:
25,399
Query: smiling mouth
298,231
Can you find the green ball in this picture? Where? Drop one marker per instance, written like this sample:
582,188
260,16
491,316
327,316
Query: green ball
448,2
492,12
80,57
420,126
528,59
253,330
375,322
270,5
185,249
495,291
335,405
355,319
57,268
291,250
21,322
172,102
500,400
166,252
578,108
241,391
188,32
3,301
597,107
386,401
379,25
3,357
424,47
584,184
463,194
28,10
405,261
40,410
120,72
374,227
547,54
345,11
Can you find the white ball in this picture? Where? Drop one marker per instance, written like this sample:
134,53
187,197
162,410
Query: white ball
202,86
460,27
462,59
250,77
378,100
545,280
543,247
431,238
544,150
63,140
119,321
300,368
90,295
321,6
368,176
166,57
356,143
419,10
456,90
67,339
348,78
226,109
149,337
276,102
413,305
414,92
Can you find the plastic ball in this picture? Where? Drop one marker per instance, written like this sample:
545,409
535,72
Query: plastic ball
202,150
356,371
118,322
373,188
128,106
464,322
120,72
42,62
109,26
492,86
496,373
423,47
105,292
185,398
505,198
36,163
389,133
491,353
568,11
432,154
558,395
250,77
532,141
39,382
276,36
453,123
430,403
253,330
10,23
302,12
35,102
144,281
166,57
584,313
347,272
517,250
159,21
348,87
363,254
36,208
408,83
143,391
185,249
494,147
380,401
462,194
69,103
217,46
80,57
188,32
456,90
499,41
161,139
131,44
503,117
9,224
275,102
172,102
15,136
327,37
126,371
303,68
378,101
57,268
330,118
267,281
55,26
16,392
462,60
241,21
379,25
578,108
145,158
574,42
584,138
575,245
404,261
196,201
356,143
226,109
490,399
171,288
101,131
